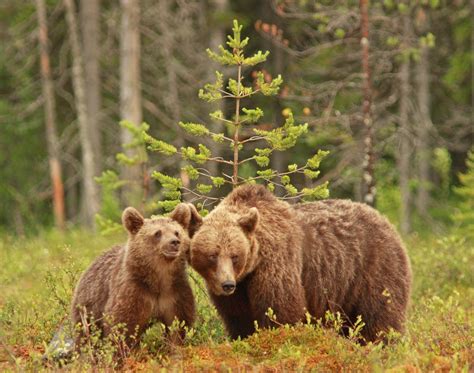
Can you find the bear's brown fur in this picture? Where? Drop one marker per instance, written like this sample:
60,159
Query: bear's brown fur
333,255
140,281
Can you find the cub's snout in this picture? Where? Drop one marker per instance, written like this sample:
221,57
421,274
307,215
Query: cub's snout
171,249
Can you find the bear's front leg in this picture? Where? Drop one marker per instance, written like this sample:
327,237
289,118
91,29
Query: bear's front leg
283,293
184,310
132,310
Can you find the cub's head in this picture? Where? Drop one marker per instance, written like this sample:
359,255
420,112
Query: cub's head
161,238
224,249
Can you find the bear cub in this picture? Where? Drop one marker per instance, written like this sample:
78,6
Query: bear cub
141,281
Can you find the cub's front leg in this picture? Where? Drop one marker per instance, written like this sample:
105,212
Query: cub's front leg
184,310
131,309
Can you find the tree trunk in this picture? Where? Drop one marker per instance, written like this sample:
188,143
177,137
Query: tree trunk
90,194
404,134
368,180
279,159
90,10
423,131
216,38
50,118
130,92
171,99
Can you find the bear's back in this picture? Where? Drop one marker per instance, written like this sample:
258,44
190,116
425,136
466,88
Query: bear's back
351,250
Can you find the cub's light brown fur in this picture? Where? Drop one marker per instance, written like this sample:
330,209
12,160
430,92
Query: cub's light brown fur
142,280
331,255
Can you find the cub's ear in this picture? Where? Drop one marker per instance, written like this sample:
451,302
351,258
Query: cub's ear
249,221
132,220
188,217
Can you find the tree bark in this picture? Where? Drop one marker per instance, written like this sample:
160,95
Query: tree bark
423,130
171,99
130,92
216,38
90,194
368,179
404,134
50,118
90,10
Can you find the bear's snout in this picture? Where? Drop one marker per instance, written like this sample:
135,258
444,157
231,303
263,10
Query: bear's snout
175,243
228,287
171,249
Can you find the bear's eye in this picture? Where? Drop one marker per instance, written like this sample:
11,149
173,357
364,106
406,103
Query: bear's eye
235,259
158,234
213,257
176,233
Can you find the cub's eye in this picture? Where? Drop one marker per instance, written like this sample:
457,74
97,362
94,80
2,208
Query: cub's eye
158,234
176,233
235,258
213,257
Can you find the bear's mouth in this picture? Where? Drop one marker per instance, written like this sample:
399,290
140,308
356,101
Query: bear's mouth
171,254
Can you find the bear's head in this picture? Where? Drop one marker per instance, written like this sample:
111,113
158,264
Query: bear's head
224,249
153,240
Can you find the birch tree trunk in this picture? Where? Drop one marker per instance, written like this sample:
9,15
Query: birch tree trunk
423,130
216,38
50,118
405,134
90,37
368,180
130,92
90,195
171,99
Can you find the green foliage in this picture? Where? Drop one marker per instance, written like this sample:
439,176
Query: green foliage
283,138
428,40
460,61
137,142
159,146
212,92
465,214
442,165
198,156
110,210
314,162
194,129
171,186
252,115
268,89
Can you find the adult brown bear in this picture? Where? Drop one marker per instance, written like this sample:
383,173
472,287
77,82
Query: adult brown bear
257,252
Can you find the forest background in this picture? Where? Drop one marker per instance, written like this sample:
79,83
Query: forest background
128,61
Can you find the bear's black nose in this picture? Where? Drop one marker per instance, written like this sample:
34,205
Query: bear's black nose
175,242
228,286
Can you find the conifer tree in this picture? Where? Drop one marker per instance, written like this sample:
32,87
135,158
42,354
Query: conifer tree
277,139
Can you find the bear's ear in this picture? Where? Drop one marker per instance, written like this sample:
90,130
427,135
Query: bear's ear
187,216
132,220
249,221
